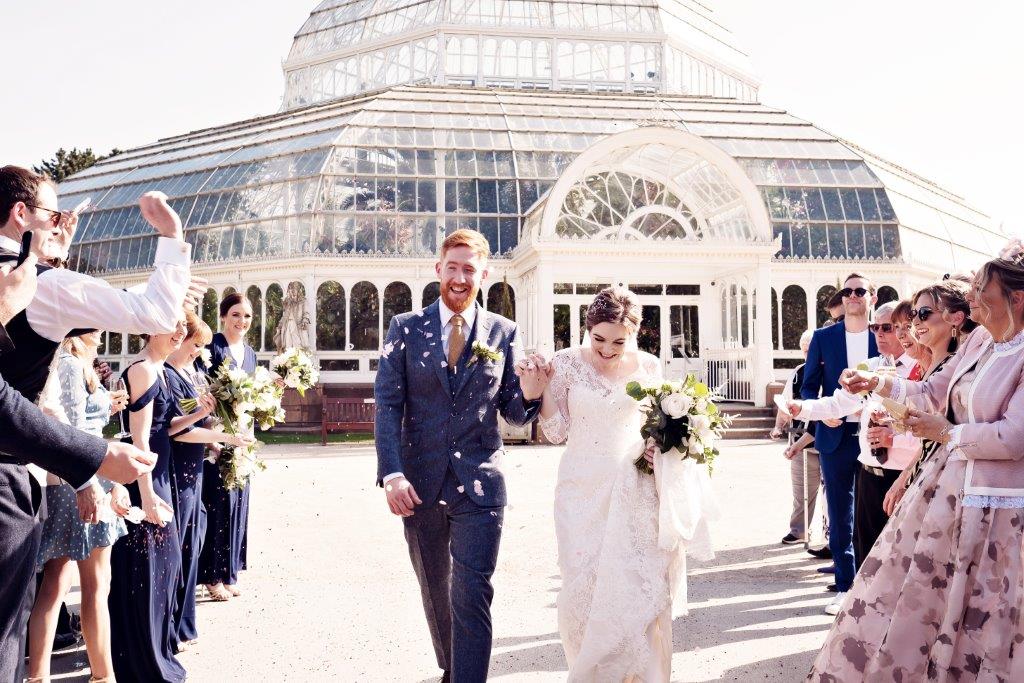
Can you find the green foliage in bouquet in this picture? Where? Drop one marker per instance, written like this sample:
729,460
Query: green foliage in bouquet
680,415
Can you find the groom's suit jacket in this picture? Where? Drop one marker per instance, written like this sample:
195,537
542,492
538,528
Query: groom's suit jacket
430,419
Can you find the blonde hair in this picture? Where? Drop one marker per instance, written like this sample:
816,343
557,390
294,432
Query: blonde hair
77,348
464,237
196,328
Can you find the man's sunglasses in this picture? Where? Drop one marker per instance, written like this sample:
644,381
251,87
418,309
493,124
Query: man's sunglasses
847,292
55,216
887,328
922,313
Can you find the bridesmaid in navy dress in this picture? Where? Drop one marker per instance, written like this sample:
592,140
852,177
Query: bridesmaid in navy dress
189,437
227,512
145,564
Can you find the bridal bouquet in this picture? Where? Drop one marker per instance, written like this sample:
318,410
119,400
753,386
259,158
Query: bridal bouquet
243,401
296,369
680,415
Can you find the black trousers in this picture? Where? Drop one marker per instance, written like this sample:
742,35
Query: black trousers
868,516
20,503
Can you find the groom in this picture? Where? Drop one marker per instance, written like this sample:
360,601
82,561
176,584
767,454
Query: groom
445,373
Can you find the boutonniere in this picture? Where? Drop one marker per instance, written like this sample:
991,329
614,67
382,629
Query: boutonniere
484,352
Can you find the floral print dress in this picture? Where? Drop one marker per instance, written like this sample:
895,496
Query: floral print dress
939,598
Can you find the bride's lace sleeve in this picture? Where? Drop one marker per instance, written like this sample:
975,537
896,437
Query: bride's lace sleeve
556,427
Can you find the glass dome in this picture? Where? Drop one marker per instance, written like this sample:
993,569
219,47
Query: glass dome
385,173
669,46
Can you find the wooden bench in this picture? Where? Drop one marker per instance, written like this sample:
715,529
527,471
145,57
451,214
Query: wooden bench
346,414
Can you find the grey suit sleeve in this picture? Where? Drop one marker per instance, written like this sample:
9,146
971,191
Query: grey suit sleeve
511,404
389,392
27,435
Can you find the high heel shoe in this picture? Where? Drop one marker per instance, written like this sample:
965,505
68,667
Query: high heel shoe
217,592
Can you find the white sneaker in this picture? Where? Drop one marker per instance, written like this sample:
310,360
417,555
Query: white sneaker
836,605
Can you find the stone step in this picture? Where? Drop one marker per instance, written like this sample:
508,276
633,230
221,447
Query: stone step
745,433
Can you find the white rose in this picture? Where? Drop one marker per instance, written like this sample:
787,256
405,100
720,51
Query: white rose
676,405
702,405
694,445
701,425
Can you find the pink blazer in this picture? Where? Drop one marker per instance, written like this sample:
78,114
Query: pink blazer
992,439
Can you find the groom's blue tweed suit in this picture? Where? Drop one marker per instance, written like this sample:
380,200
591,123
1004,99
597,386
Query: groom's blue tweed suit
439,427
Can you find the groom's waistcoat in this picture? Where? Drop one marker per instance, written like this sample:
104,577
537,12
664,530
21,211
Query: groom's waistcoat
431,417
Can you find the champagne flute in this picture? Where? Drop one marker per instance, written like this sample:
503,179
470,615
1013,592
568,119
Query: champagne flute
117,384
202,386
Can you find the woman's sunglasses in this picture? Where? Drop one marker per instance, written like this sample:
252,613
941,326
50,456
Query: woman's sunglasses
922,313
887,328
847,292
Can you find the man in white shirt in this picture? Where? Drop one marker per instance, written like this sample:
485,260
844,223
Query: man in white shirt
883,453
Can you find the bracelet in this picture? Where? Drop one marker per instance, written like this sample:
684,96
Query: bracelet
945,434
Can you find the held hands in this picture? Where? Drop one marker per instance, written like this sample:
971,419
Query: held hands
124,463
401,497
927,425
534,373
160,215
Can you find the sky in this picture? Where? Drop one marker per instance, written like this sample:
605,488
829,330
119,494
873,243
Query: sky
932,86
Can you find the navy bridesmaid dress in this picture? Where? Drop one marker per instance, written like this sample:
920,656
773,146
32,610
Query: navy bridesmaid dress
186,488
145,566
227,512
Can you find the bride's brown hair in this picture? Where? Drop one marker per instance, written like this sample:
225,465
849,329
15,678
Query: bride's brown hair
616,305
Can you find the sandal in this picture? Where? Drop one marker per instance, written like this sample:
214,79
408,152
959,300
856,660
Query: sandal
233,589
217,592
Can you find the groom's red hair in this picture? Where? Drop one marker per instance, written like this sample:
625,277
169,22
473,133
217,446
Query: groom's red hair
464,237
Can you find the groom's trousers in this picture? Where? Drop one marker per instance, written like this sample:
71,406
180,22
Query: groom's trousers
839,470
453,544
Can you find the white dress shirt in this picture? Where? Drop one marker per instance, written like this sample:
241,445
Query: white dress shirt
905,447
856,353
66,300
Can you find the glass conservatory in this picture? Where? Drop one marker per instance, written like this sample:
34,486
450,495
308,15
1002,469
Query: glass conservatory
733,220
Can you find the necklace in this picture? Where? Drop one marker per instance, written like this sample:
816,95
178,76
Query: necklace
1011,343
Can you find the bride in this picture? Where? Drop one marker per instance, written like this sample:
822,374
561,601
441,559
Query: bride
616,603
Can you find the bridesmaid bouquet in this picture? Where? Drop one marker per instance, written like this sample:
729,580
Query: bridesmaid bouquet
296,369
680,415
243,401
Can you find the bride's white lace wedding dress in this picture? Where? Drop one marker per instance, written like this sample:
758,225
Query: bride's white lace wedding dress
616,603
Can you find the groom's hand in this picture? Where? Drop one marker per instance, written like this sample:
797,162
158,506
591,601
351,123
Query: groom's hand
401,496
534,373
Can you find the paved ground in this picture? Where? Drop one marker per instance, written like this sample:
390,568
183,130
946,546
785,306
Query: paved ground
331,594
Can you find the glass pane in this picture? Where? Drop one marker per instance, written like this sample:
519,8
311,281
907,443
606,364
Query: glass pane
837,241
824,294
794,316
855,241
330,317
873,241
501,299
649,335
275,303
561,331
431,293
819,241
685,339
397,299
365,317
801,240
255,334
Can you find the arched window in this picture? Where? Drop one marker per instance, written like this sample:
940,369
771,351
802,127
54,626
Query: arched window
744,314
134,344
794,316
115,343
275,303
397,299
886,294
365,317
210,312
776,323
330,317
431,293
501,299
255,333
824,294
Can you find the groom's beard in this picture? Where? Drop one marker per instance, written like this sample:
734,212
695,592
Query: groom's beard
453,304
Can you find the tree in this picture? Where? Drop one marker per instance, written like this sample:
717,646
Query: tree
66,163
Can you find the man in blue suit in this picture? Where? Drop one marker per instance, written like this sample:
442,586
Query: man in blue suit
834,349
445,374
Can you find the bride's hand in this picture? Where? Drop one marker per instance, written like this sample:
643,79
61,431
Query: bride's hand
651,451
534,373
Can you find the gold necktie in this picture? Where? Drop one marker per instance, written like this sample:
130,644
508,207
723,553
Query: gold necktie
456,342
